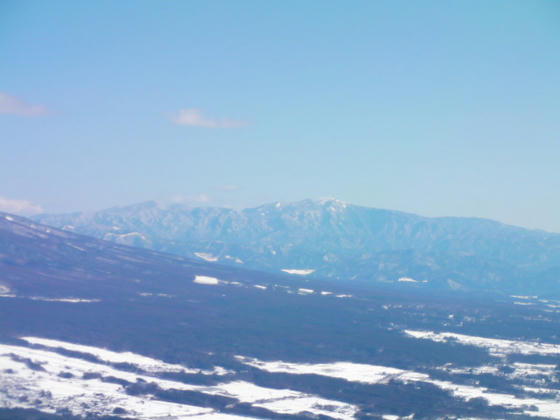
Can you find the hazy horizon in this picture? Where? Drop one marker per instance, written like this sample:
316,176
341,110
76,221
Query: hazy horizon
214,204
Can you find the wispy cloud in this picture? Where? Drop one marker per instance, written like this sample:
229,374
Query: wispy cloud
16,106
195,118
23,207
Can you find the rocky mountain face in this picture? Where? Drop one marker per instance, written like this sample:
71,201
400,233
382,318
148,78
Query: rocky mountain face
332,239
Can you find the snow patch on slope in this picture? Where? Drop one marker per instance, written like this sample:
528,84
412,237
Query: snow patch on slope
305,291
407,280
206,280
69,386
495,346
352,372
206,257
298,271
144,363
372,374
65,300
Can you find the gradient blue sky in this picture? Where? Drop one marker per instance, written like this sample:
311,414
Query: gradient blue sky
433,107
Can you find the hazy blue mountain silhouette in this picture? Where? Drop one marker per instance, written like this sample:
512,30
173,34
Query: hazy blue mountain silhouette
339,241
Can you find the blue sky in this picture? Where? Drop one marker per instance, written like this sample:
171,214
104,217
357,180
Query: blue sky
432,107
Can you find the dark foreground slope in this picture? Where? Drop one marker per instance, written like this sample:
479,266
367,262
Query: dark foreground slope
339,241
229,343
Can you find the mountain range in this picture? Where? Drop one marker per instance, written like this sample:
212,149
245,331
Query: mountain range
98,330
335,240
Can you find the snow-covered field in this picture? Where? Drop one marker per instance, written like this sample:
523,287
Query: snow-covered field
495,346
144,363
302,291
46,380
206,257
40,377
206,280
352,372
298,271
374,374
65,300
50,299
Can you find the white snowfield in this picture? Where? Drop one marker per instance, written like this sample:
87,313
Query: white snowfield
314,405
372,374
63,377
495,346
147,364
476,370
206,280
407,280
285,401
298,271
526,374
523,370
20,386
65,300
111,236
47,299
213,281
206,257
352,372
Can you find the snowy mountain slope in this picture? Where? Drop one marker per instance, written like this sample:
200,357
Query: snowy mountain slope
92,328
340,241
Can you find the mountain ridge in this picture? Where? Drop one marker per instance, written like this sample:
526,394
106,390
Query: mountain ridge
337,240
153,204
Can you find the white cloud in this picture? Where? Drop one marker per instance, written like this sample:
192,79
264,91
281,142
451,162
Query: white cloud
16,106
23,207
193,117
